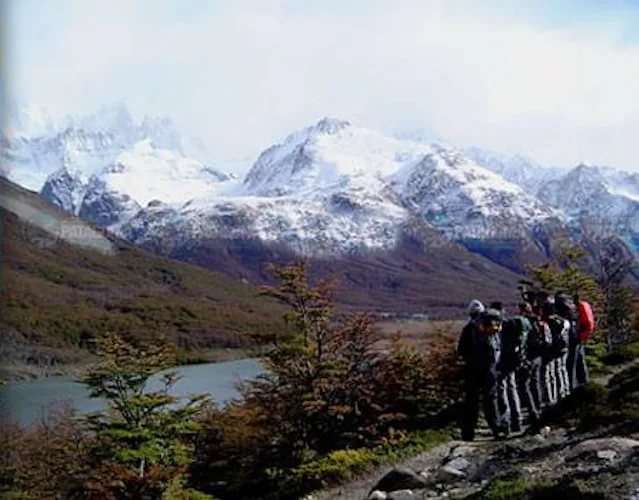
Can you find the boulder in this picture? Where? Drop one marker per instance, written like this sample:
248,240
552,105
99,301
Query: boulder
401,478
402,495
619,445
448,474
460,463
377,495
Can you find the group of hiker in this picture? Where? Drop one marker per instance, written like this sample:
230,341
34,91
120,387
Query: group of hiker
533,358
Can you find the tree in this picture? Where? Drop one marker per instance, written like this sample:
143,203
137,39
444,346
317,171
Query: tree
611,261
614,263
141,447
565,274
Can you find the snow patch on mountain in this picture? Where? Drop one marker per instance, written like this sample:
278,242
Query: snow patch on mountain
604,194
335,188
329,188
457,195
84,143
133,179
330,153
146,173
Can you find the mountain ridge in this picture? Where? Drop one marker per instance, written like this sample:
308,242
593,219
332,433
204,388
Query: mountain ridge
331,188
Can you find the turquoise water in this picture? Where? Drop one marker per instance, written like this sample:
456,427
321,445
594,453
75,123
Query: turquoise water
30,401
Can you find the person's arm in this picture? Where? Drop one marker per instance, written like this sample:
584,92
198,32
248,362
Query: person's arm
464,346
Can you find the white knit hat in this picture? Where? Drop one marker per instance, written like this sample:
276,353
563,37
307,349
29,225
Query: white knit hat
475,307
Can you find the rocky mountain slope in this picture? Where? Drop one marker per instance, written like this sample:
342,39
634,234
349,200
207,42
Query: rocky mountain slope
603,198
603,195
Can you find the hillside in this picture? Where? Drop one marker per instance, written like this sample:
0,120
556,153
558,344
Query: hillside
57,294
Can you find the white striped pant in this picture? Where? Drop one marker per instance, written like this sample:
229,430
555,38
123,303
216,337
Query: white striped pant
556,380
509,402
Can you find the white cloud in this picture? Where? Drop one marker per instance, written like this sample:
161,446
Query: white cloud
247,73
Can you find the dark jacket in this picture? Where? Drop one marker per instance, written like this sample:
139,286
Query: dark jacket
479,350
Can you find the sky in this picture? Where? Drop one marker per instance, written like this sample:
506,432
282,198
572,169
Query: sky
555,79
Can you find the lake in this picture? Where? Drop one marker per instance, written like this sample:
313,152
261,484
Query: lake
31,401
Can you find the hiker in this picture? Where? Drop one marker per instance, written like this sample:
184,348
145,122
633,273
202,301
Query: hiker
549,374
513,335
530,375
577,367
464,348
480,350
560,328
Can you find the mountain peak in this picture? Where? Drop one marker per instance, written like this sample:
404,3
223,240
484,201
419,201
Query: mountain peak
162,133
329,125
112,118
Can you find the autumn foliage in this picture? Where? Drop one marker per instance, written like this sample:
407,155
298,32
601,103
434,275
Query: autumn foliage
335,395
331,385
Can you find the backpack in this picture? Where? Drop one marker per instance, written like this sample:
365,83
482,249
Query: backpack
515,333
585,321
510,345
539,341
560,330
565,307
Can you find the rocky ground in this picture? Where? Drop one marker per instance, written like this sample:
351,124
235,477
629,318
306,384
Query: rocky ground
554,464
595,461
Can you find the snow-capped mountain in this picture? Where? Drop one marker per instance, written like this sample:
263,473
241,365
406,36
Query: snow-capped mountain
33,151
601,195
330,188
456,194
338,188
104,167
518,169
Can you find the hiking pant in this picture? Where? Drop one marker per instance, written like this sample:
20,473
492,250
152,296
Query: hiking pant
562,378
576,365
509,402
529,382
480,382
550,382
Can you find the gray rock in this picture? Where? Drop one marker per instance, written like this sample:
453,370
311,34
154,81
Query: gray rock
449,474
593,446
426,474
539,439
462,451
402,495
460,463
377,495
606,454
401,478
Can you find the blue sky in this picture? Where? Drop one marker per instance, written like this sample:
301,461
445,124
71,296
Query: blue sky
555,79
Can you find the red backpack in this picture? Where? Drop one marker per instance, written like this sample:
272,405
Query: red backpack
586,322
